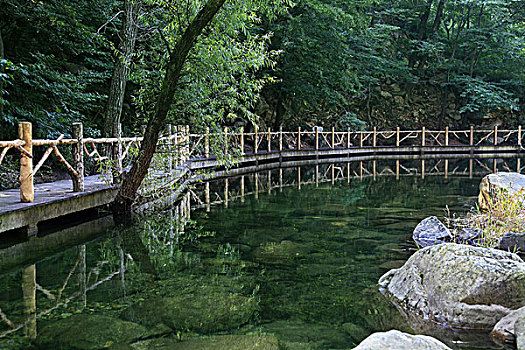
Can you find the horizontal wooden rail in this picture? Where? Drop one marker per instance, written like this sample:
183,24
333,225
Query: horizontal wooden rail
255,145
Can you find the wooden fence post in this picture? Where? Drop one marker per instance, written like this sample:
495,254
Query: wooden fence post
188,146
299,138
397,136
333,137
471,138
446,135
374,137
360,139
207,143
281,138
423,136
27,192
225,140
242,140
117,155
519,135
316,138
348,143
269,140
169,148
78,157
495,135
256,144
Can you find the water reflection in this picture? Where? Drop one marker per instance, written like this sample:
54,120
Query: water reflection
301,265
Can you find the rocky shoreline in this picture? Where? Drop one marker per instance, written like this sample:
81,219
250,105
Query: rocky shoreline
456,281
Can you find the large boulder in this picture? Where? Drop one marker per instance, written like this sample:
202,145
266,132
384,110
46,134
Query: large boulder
492,183
503,331
458,285
431,231
396,340
86,332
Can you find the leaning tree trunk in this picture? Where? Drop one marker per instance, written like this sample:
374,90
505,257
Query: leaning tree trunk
128,37
121,206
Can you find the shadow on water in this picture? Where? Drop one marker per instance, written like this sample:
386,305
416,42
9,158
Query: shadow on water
294,253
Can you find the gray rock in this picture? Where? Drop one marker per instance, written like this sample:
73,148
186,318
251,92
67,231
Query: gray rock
396,340
503,331
512,241
519,331
458,285
88,332
492,183
431,231
399,100
385,94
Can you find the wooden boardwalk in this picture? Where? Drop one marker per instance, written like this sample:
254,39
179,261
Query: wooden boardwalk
51,201
183,153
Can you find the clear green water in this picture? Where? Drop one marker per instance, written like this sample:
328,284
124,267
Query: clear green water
301,265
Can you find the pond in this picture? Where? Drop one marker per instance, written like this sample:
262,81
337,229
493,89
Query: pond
290,256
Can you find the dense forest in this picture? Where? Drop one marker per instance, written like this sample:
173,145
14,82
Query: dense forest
349,64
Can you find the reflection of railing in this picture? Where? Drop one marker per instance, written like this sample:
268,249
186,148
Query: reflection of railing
181,146
87,282
267,181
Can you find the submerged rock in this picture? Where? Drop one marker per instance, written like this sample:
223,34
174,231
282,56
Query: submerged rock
504,330
458,285
88,332
223,342
431,231
396,340
199,313
490,184
280,253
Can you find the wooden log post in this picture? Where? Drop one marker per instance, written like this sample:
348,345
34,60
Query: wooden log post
332,166
242,140
242,189
169,148
207,143
269,140
519,135
397,137
518,166
471,168
423,169
226,192
360,139
374,169
316,138
207,197
188,140
299,138
78,157
446,135
471,137
280,138
27,191
374,138
256,143
495,135
117,155
333,138
423,137
225,140
348,136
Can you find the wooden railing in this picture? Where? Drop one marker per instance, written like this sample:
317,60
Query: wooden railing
182,146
